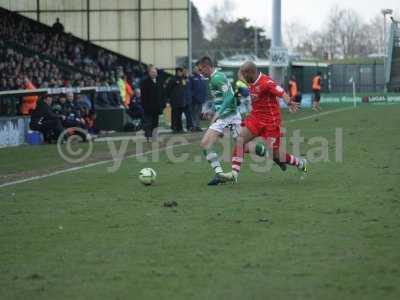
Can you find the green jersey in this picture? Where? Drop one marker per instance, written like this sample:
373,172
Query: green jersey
222,95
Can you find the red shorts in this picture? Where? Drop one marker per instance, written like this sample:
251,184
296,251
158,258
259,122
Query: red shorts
270,133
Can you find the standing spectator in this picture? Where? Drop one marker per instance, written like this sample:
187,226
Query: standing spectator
28,102
316,88
128,94
176,95
58,27
151,98
294,90
187,110
122,87
43,119
199,97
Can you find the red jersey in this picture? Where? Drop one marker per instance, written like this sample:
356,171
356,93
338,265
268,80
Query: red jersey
265,94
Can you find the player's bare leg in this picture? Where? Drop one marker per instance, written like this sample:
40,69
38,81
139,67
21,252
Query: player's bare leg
207,143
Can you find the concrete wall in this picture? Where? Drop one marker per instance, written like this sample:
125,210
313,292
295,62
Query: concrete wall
13,131
153,31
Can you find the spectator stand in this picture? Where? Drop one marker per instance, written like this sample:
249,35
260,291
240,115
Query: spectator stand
69,49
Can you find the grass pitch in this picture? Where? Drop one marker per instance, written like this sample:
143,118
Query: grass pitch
91,234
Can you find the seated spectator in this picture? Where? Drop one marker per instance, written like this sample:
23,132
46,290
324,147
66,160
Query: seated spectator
72,113
136,110
3,84
84,101
43,119
90,120
74,116
59,104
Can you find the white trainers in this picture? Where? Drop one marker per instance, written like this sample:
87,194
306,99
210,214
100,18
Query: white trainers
230,177
303,165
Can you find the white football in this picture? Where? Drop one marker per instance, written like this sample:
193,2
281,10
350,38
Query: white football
147,176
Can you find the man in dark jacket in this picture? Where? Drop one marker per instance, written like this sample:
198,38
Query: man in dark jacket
151,98
187,110
176,95
199,97
43,119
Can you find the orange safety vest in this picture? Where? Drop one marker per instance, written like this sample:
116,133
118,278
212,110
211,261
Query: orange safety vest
316,83
29,102
293,88
128,94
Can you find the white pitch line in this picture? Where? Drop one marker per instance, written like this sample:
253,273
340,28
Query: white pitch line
86,166
319,114
141,154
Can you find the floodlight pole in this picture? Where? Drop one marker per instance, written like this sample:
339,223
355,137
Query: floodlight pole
276,42
385,12
190,38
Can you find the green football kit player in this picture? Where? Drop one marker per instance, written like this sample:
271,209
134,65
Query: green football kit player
226,116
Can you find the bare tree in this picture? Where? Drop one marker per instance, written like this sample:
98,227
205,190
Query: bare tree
343,35
332,32
375,34
295,33
216,14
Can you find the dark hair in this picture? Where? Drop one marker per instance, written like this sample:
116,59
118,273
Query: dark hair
178,69
319,73
206,60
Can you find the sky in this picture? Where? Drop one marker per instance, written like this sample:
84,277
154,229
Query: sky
311,13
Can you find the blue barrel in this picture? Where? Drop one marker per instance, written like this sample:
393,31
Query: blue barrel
34,137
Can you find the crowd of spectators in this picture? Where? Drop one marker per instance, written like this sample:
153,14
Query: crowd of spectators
33,55
50,56
64,47
15,67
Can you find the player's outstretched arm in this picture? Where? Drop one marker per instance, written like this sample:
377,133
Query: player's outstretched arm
293,106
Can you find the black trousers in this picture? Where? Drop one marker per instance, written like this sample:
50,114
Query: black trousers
74,123
188,115
49,128
150,122
176,122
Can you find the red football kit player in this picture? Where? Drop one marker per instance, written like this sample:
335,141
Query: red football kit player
264,120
